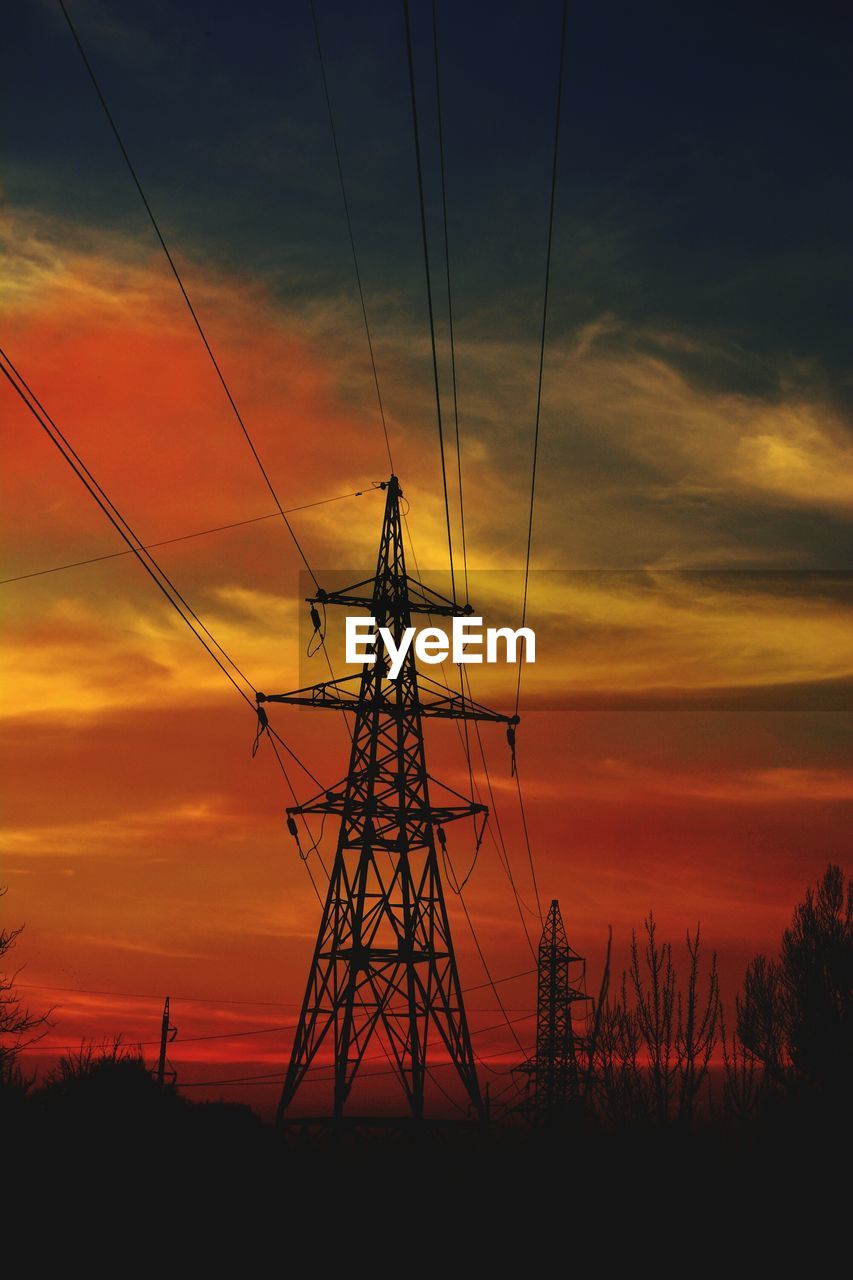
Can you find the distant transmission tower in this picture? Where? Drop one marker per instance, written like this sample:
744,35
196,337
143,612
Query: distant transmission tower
167,1035
556,1073
383,966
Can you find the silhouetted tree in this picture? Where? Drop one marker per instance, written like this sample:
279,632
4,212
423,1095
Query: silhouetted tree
656,1041
761,1019
18,1027
653,982
796,1016
697,1029
817,974
742,1083
619,1081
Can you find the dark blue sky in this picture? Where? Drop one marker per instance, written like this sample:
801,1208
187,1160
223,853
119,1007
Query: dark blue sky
704,174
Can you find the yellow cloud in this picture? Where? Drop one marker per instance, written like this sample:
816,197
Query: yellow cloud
791,448
800,455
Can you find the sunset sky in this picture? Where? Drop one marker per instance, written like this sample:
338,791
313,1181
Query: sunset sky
685,735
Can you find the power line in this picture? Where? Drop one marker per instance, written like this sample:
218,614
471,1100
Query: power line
537,420
185,537
527,842
364,308
160,578
303,859
478,1031
429,288
269,1080
158,575
220,1001
138,995
218,370
271,732
431,317
194,315
500,848
258,1031
491,983
182,288
46,1049
543,332
444,1092
275,1077
350,232
449,298
433,343
503,860
466,743
41,1047
521,906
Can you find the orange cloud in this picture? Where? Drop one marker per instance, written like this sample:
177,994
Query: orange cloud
146,850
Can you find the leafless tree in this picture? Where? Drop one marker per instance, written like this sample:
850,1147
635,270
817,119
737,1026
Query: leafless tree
656,1041
18,1027
653,983
742,1080
697,1029
620,1083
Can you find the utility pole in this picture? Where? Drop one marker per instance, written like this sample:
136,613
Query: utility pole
556,1074
384,966
167,1035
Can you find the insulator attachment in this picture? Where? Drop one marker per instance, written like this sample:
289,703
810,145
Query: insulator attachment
318,635
292,827
263,724
510,737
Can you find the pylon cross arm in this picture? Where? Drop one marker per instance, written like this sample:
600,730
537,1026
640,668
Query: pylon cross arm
418,598
343,695
435,815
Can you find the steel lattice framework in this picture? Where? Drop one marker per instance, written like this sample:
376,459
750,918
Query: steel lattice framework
384,965
556,1074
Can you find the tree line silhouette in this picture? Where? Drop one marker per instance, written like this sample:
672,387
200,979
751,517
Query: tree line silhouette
664,1056
789,1047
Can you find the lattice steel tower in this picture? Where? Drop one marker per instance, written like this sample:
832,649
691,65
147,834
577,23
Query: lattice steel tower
556,1074
384,965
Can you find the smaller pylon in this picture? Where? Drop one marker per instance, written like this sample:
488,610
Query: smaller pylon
167,1035
556,1074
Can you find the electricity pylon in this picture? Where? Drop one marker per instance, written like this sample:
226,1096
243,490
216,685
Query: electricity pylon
556,1074
383,964
167,1035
